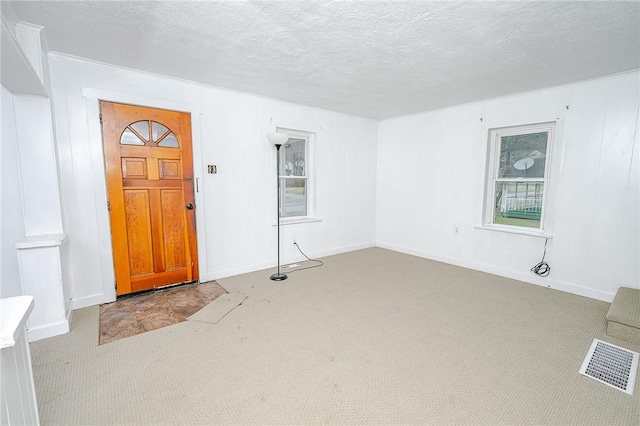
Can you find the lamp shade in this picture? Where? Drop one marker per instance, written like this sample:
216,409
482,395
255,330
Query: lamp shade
277,138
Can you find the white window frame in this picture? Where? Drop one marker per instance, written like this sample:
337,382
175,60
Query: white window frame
308,137
493,167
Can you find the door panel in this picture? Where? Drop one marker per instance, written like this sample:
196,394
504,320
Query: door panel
173,229
149,169
169,169
138,225
134,168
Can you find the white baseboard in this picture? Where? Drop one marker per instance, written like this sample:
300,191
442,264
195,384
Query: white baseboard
528,278
83,302
224,273
339,250
98,299
48,330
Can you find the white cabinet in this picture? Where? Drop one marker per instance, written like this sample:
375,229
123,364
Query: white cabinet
19,405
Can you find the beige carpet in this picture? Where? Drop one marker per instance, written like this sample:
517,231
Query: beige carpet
219,308
373,337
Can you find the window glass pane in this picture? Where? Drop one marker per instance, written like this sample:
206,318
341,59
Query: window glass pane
523,155
141,127
129,138
518,203
170,141
294,197
157,130
292,158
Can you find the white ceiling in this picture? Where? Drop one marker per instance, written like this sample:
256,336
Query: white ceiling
376,59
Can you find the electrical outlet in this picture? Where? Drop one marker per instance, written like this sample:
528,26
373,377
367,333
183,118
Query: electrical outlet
456,230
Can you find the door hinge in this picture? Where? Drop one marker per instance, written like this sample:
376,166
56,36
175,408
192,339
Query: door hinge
108,205
100,118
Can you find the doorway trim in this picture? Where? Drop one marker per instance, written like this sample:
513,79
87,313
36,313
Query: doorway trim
92,98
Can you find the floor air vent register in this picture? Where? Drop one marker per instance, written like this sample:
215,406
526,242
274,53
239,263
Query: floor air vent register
611,365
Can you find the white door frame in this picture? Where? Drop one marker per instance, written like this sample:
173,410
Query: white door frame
93,98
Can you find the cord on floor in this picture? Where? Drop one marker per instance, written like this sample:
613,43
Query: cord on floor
308,258
542,268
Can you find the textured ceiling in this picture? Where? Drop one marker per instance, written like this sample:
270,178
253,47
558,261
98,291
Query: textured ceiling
375,59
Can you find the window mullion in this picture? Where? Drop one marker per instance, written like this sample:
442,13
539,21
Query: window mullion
520,180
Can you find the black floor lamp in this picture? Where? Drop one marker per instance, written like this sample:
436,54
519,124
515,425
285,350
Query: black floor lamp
278,139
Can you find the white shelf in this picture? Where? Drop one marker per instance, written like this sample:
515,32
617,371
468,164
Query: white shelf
14,313
50,240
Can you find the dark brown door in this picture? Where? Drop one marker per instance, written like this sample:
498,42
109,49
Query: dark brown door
149,170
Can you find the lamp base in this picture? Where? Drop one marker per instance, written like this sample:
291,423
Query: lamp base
278,277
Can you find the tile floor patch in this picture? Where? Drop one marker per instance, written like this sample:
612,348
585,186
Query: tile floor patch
150,311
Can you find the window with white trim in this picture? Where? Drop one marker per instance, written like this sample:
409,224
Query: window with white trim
294,175
517,176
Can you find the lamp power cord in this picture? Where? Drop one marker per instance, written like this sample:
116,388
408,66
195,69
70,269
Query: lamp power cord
319,262
542,268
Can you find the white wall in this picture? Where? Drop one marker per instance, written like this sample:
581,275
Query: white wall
428,171
236,207
36,151
11,210
430,180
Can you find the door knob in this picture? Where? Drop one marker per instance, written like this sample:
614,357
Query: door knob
189,206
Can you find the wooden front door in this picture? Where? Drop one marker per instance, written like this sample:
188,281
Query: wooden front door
151,203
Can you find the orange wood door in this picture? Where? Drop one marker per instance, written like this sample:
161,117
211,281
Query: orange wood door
149,168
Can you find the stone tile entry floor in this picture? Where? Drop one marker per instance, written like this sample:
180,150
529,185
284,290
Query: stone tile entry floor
149,311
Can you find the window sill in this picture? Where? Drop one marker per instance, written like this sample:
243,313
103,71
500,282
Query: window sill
513,230
296,220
